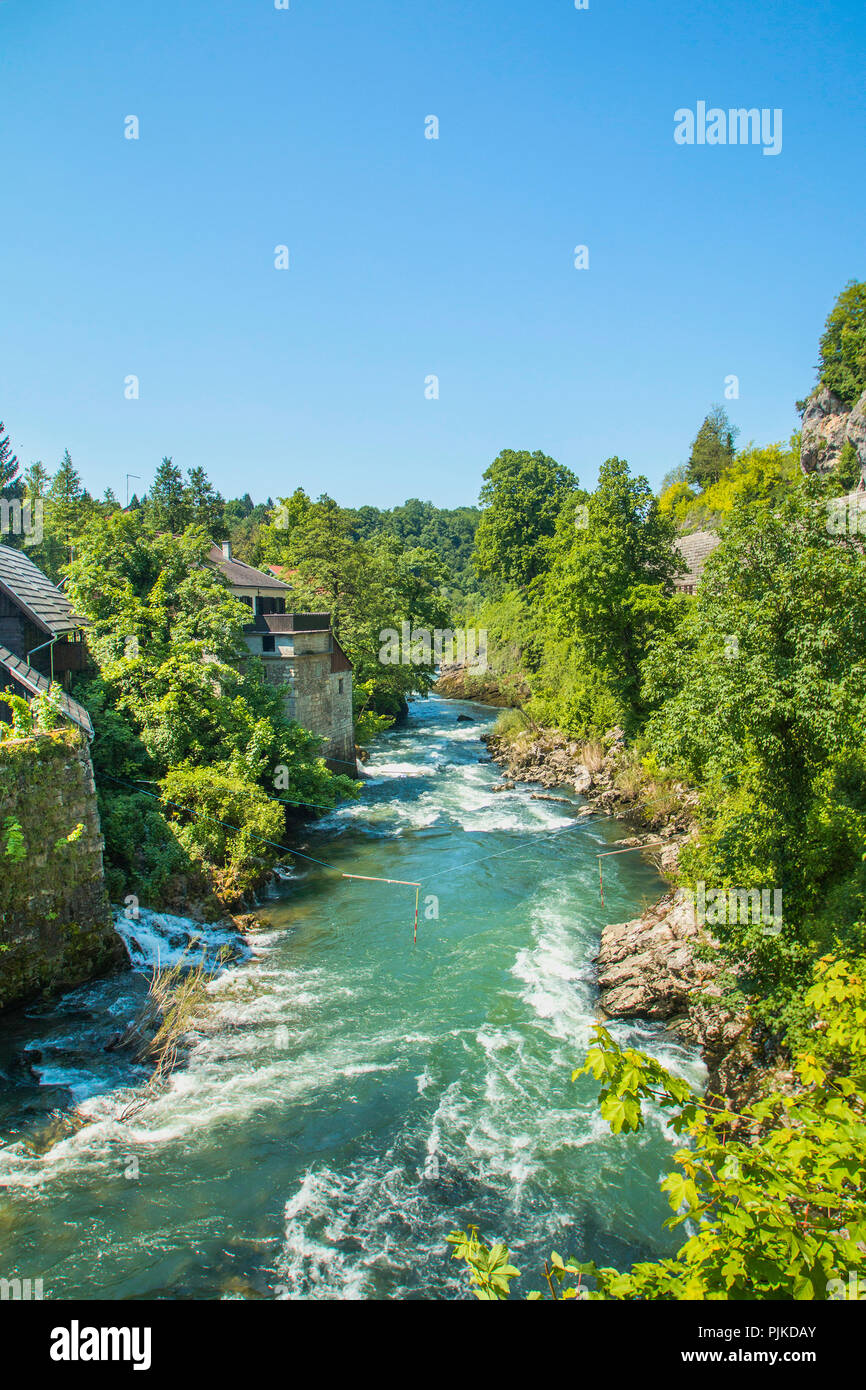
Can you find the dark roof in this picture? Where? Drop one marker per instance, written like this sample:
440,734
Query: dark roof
290,623
694,550
45,604
244,576
37,684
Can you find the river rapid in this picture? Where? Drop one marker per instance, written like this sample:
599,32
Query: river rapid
349,1097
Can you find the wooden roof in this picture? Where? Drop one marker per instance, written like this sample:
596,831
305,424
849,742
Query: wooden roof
37,684
42,602
243,576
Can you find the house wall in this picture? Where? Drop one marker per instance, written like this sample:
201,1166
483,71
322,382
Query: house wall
318,698
21,636
17,632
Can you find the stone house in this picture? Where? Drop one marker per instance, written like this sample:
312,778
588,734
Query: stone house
301,655
41,638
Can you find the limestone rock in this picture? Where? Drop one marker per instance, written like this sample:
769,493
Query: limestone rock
649,968
856,430
824,431
828,424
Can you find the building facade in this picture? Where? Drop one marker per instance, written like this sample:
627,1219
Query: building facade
301,656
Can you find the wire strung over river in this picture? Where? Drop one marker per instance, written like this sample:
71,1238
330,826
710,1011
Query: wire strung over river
407,883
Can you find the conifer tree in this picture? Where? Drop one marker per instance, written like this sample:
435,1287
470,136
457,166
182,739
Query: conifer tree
8,462
168,504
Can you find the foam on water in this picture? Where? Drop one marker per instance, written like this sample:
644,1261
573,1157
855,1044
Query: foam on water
158,939
364,1095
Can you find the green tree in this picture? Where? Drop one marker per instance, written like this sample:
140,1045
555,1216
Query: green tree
37,480
712,451
611,579
759,696
168,504
842,363
69,505
522,496
847,472
206,507
8,461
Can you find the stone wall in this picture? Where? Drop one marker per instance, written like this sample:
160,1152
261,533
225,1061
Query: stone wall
318,698
56,928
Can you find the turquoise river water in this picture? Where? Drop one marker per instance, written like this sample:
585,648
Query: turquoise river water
351,1098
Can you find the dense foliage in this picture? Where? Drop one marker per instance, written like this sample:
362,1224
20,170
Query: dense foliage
178,700
522,494
775,1196
843,344
449,532
752,694
755,477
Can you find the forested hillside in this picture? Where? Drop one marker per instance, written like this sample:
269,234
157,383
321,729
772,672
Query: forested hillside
750,699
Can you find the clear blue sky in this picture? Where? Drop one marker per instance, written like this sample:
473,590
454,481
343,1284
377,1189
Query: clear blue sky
411,256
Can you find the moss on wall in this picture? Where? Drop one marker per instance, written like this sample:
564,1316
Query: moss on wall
56,928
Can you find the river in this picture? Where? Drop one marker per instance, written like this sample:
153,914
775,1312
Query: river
350,1097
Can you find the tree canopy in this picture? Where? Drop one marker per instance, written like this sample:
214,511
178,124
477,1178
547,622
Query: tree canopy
842,361
522,495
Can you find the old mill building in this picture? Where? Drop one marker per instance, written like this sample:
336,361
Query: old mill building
301,655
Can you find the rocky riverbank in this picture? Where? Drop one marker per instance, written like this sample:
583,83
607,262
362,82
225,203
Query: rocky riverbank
461,681
604,772
649,967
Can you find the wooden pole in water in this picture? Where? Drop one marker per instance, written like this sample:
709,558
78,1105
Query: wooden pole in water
630,849
404,882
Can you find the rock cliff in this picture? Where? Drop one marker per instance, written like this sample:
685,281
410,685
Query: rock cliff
828,424
651,968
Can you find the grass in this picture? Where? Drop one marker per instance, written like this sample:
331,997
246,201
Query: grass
512,722
174,998
592,755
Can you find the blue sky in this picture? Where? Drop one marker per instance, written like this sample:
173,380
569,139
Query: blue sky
411,257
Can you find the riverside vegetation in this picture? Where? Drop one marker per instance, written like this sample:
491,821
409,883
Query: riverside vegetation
746,700
749,699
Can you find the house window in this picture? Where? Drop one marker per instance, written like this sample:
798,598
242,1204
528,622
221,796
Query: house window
340,686
268,644
245,598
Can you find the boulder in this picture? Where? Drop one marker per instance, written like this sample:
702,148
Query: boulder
828,424
856,429
648,968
